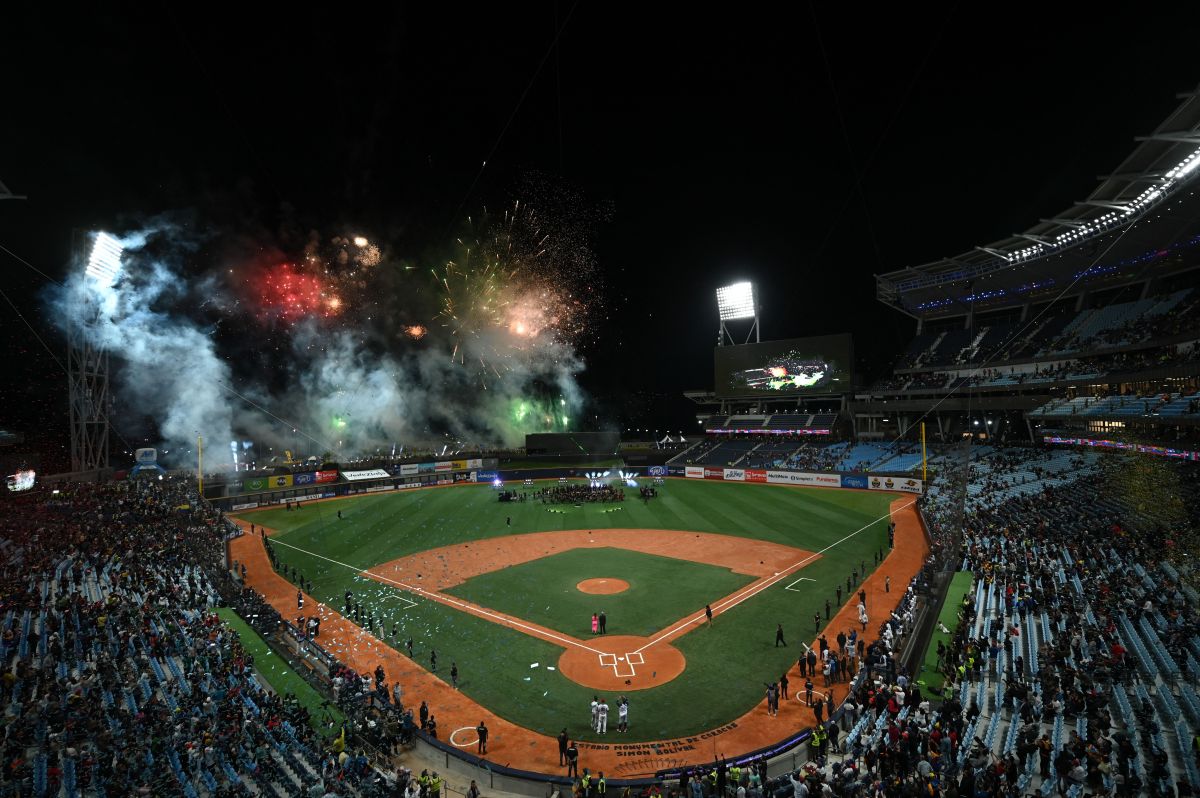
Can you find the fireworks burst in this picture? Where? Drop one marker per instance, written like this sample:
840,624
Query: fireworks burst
416,331
516,280
286,293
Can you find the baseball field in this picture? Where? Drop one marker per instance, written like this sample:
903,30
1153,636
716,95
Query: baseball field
507,591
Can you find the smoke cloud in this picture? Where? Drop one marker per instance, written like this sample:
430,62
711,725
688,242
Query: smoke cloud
220,340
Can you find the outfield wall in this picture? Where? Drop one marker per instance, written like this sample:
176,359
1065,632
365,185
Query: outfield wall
811,479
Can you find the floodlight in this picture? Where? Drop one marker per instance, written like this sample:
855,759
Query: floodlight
736,301
105,263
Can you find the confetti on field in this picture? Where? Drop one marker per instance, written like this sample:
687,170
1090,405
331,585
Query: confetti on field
533,664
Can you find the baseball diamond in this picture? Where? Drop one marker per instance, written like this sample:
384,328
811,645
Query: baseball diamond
512,599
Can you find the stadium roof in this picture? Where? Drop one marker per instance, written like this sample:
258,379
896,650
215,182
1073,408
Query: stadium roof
1159,175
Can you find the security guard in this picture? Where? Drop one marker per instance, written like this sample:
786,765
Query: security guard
585,784
601,785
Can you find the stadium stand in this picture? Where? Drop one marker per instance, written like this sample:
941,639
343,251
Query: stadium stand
119,679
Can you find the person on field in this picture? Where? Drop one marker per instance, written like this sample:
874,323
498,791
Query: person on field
779,641
595,623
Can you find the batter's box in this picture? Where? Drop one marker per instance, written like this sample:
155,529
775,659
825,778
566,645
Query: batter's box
408,603
622,666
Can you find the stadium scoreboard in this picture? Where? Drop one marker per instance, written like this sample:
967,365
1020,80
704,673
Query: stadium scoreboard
821,364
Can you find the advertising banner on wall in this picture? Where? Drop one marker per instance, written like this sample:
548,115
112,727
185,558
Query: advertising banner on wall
486,476
714,473
475,464
694,472
756,475
374,473
283,481
858,481
408,470
801,478
735,475
905,484
458,465
445,465
251,485
306,478
465,476
426,468
324,477
656,471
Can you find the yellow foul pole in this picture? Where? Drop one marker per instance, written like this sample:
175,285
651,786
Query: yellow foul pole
924,478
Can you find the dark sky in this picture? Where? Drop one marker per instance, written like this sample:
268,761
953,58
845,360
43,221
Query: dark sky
805,147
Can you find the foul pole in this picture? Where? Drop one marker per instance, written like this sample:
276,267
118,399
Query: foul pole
923,461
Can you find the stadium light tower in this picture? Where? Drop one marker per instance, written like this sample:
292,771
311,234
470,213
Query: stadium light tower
87,363
734,302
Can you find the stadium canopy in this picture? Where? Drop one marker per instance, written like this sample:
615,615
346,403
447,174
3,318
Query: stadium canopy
1151,191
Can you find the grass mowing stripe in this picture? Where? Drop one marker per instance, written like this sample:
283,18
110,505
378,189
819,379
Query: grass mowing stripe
280,676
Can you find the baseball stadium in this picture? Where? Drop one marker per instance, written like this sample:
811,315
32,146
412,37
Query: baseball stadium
444,511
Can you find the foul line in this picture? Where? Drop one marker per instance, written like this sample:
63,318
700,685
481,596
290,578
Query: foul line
754,590
801,579
444,599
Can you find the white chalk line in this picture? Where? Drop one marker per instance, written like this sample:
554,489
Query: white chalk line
444,599
754,590
798,581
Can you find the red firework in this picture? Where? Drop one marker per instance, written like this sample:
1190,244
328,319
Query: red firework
290,294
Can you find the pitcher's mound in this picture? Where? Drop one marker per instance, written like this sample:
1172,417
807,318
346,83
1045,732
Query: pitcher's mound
602,587
616,660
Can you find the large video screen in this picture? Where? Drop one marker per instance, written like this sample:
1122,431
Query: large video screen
821,364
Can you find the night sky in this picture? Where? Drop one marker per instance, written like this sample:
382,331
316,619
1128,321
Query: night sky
805,149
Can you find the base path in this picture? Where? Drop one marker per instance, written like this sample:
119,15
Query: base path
517,747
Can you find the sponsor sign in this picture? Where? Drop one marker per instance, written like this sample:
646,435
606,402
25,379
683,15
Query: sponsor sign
254,484
145,456
735,475
854,481
304,479
761,431
656,471
443,466
694,472
426,468
756,475
246,506
374,473
282,481
487,476
475,464
714,473
377,488
458,465
905,484
326,476
408,470
465,476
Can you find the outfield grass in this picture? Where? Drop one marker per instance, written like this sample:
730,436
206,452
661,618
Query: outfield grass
960,586
661,590
726,665
280,676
